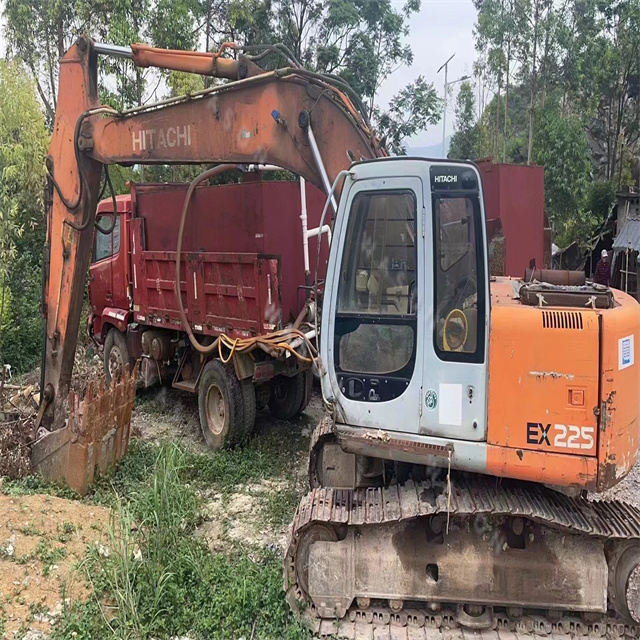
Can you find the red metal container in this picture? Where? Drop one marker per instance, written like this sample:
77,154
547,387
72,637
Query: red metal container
514,194
242,257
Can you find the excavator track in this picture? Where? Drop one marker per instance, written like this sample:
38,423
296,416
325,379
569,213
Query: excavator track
462,506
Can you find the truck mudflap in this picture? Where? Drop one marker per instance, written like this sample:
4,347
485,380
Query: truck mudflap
96,435
431,561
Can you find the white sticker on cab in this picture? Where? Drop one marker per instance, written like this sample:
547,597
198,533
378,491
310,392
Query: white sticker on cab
450,404
625,352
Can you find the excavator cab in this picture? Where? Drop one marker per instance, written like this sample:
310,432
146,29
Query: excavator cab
407,304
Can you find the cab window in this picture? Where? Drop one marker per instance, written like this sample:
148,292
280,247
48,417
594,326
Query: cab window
457,258
106,245
376,314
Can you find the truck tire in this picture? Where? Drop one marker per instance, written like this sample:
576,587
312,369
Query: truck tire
249,406
263,393
289,396
221,405
116,355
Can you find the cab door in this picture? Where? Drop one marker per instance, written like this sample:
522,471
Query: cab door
457,292
106,253
373,318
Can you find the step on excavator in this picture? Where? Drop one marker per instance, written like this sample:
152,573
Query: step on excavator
467,416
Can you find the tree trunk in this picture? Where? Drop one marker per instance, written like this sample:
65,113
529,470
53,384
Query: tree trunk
533,80
609,171
207,28
1,315
506,94
545,65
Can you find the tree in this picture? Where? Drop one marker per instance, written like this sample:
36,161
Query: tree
40,31
464,142
360,40
23,146
411,110
562,148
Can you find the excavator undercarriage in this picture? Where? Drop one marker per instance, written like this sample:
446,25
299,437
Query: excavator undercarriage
457,555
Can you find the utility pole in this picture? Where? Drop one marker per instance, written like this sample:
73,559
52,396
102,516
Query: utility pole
445,66
447,84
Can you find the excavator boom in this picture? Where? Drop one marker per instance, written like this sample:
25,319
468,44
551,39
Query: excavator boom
257,117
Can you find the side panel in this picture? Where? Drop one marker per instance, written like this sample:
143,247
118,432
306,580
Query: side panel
281,208
255,216
236,294
543,380
620,391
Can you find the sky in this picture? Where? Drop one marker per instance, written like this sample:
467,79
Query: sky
442,27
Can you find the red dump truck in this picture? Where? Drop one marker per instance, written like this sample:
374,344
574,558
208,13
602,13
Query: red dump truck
245,271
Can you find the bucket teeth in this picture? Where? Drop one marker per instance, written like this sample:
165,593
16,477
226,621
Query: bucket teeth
96,434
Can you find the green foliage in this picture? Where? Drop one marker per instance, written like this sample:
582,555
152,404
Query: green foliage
465,141
265,456
159,581
601,198
411,110
23,144
571,69
561,147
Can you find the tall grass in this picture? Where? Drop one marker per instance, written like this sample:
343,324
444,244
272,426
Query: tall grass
155,580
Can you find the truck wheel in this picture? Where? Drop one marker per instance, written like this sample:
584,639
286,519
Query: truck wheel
249,406
116,354
221,404
289,396
263,393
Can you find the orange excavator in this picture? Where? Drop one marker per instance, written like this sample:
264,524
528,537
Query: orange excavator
467,416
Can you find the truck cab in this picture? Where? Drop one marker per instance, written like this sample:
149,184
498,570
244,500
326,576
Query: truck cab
109,277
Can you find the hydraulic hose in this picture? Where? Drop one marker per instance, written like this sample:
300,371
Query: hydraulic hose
273,343
114,215
210,173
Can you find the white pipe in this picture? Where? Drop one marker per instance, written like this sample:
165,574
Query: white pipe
312,233
303,217
106,49
264,167
321,168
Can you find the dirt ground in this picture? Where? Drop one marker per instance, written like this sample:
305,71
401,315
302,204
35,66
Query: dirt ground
230,518
42,539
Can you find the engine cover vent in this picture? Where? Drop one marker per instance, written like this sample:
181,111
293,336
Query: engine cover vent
562,320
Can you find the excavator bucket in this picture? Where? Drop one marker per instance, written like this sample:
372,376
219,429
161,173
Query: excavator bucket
96,434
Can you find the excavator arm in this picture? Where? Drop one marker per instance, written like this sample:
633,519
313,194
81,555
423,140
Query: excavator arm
303,122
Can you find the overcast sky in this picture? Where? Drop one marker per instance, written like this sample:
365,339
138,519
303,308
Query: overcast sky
442,27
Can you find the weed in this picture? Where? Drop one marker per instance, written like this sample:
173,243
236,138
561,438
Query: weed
80,621
37,609
30,530
278,508
49,556
67,531
36,484
160,581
